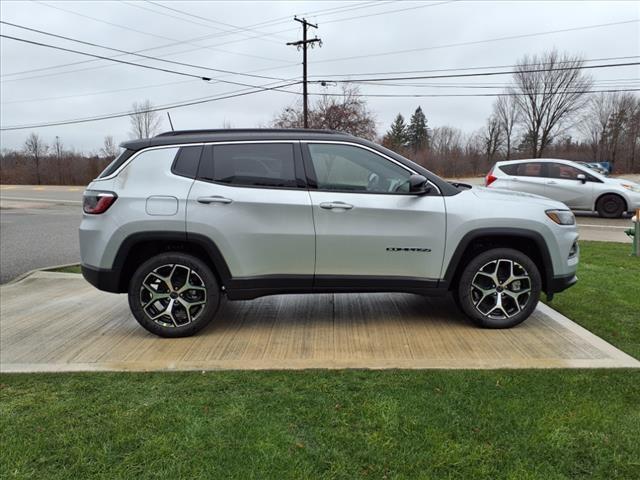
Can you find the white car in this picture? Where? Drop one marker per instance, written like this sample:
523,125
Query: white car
577,186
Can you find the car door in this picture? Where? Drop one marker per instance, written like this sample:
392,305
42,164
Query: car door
367,223
527,177
563,185
250,198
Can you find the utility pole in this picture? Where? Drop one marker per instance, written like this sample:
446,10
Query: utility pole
303,44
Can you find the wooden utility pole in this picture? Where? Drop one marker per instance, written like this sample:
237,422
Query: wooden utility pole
303,44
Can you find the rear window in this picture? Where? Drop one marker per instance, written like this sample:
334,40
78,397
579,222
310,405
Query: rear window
186,162
253,165
117,163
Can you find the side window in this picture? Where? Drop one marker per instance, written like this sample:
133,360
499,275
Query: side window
186,162
116,163
509,169
530,169
349,168
254,165
565,172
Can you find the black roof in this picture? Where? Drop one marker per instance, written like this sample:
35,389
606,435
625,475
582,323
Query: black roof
228,135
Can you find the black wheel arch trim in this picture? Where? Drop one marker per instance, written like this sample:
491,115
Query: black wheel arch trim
548,284
111,280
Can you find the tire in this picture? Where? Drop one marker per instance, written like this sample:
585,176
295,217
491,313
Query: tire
178,311
507,303
610,206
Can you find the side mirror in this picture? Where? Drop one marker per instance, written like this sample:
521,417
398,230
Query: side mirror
582,177
418,185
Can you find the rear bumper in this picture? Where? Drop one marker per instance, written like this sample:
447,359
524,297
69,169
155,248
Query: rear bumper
107,280
559,284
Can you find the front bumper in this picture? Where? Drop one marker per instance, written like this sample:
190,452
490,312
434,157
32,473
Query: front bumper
559,284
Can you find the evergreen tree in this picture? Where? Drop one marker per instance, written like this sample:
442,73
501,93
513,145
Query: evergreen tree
418,132
396,137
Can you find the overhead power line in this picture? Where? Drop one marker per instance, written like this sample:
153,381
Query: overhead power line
236,28
447,95
187,103
457,69
148,57
477,42
278,88
479,74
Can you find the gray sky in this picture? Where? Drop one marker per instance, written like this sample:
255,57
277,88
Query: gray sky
434,29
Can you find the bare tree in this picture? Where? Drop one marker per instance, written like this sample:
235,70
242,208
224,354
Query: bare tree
492,138
109,148
145,122
505,109
347,112
36,149
57,147
549,90
608,124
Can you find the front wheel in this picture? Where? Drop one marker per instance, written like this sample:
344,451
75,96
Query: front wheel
174,295
499,288
610,206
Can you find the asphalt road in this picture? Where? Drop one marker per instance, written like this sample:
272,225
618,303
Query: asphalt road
39,227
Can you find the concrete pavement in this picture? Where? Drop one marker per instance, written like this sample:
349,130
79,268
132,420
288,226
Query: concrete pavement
44,329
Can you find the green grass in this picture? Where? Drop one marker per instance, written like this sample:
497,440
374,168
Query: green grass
524,424
322,424
606,299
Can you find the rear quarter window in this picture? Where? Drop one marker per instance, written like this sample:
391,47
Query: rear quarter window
187,161
117,163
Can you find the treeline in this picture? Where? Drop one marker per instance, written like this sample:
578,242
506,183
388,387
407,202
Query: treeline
39,163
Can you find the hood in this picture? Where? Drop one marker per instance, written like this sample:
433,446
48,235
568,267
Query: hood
620,181
511,196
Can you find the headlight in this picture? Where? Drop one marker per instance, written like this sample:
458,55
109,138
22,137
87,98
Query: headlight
561,217
632,187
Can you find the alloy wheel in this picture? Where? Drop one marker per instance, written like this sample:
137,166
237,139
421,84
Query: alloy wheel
173,295
501,289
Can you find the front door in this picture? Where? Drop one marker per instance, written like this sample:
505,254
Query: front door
367,223
563,185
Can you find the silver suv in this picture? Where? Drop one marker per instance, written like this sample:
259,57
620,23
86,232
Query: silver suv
182,219
577,186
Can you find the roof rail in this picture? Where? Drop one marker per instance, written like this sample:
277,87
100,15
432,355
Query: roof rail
249,130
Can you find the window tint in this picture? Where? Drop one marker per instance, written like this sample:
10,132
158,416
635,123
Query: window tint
349,168
186,162
529,169
263,165
560,170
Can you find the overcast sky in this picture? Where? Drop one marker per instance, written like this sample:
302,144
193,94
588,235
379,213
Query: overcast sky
242,36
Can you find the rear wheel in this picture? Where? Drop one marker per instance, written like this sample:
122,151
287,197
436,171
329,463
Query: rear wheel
499,288
174,295
610,206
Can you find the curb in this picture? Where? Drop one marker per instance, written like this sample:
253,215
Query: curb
36,270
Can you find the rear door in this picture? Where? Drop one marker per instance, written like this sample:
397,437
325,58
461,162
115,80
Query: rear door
367,222
526,177
250,198
563,185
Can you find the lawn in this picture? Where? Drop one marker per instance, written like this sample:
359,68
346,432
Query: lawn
322,424
606,299
346,424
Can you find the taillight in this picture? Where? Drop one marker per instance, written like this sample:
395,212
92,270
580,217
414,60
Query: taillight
97,202
490,178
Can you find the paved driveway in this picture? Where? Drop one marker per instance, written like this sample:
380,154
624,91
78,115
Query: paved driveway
44,328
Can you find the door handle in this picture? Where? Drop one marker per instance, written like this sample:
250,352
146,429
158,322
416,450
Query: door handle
552,183
336,206
214,199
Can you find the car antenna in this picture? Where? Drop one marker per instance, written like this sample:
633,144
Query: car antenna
170,122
